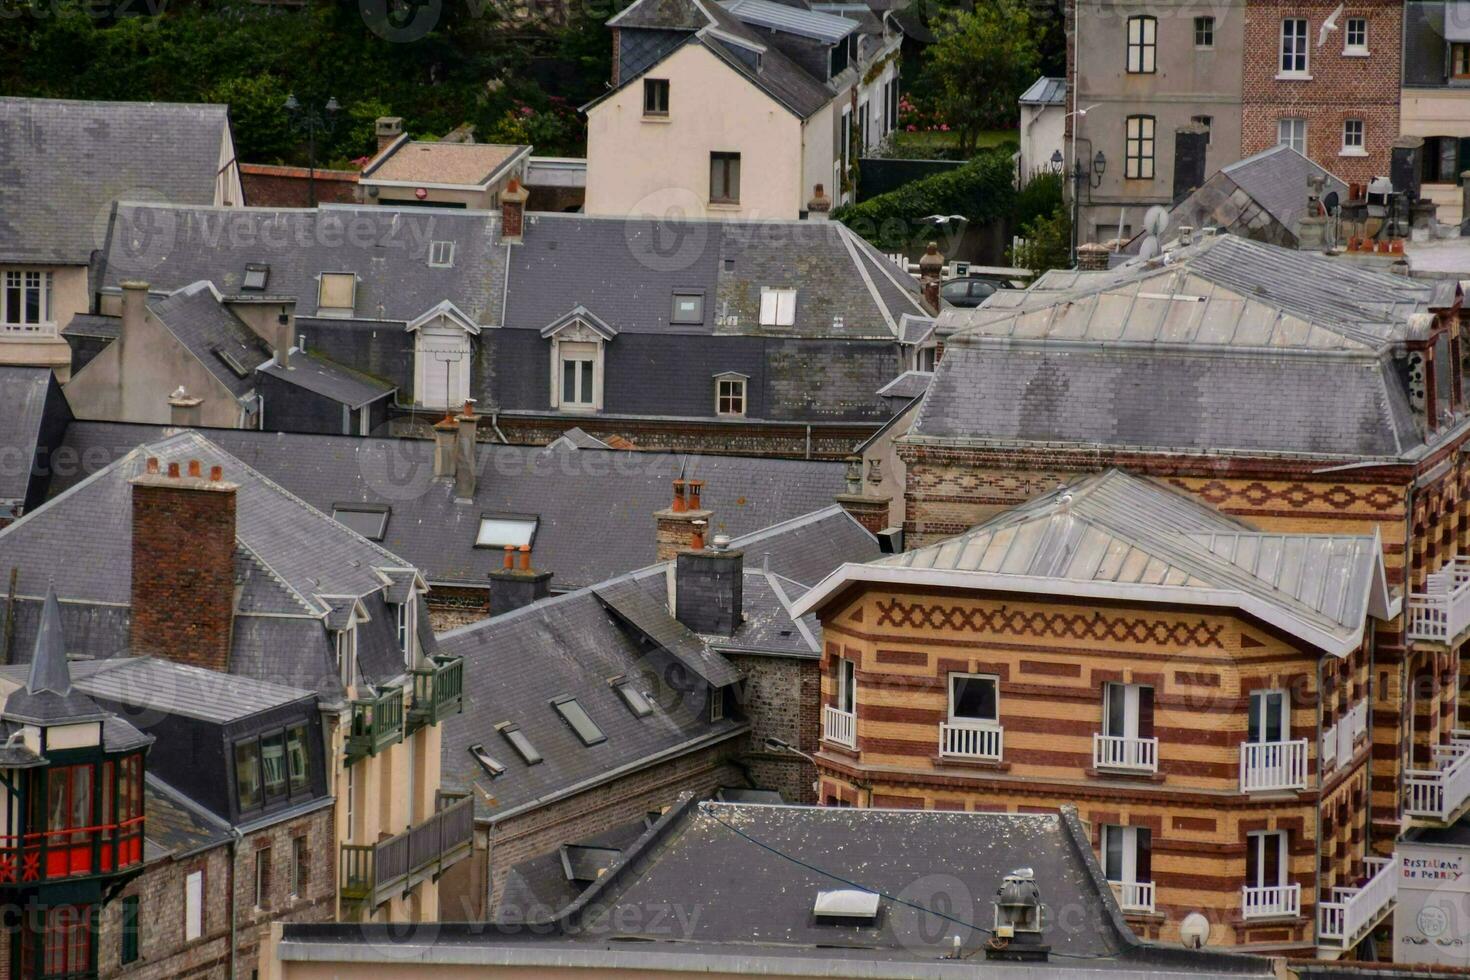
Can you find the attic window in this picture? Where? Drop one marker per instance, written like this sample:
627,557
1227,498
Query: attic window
486,761
337,294
576,716
369,521
688,307
635,699
232,362
441,255
778,307
520,743
500,531
846,906
256,275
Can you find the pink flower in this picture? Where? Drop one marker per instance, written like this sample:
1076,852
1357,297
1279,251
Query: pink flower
911,128
944,127
527,111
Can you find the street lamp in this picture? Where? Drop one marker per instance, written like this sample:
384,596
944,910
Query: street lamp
309,121
1093,179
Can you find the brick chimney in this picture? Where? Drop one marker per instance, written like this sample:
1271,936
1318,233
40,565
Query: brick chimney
464,453
517,584
183,409
931,271
871,512
513,211
388,128
708,588
682,524
818,208
183,590
1092,257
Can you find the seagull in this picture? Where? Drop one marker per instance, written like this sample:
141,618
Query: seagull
1328,26
944,219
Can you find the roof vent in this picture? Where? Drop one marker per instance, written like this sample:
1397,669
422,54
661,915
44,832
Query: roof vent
846,906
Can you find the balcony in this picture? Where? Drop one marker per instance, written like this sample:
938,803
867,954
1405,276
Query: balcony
377,723
1440,793
374,873
1134,896
838,726
1125,754
28,331
1442,611
438,691
968,740
1267,767
72,853
1352,913
1327,755
1274,902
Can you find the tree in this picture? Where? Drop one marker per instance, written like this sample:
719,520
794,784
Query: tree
983,60
1046,243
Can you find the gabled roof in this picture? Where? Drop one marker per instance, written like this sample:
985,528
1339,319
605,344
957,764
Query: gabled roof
63,163
217,339
580,314
1115,536
32,406
791,19
1045,91
329,379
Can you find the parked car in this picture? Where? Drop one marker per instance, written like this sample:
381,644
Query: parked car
971,290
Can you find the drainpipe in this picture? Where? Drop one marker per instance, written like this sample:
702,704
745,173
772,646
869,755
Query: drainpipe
235,839
808,441
1317,837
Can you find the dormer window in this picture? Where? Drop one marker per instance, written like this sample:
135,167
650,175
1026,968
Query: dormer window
336,294
441,255
256,276
839,58
347,656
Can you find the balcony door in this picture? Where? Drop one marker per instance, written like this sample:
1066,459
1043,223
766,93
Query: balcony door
1128,711
974,699
1265,860
846,685
1127,855
1269,721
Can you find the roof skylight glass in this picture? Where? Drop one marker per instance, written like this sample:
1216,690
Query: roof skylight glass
521,744
370,522
486,760
498,532
575,715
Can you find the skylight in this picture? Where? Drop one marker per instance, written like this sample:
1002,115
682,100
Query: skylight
486,760
636,701
232,362
256,275
369,521
851,906
441,255
499,531
575,715
521,744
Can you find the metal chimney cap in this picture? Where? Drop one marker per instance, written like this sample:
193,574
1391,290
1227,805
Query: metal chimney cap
721,542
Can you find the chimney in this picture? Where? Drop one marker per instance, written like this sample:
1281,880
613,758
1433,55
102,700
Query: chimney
134,305
445,436
1092,257
818,207
285,334
513,211
183,565
682,523
870,512
464,454
708,587
1190,146
389,128
183,409
517,584
931,270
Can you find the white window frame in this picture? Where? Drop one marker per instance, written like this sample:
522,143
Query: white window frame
1353,145
1293,123
925,358
1143,45
498,530
586,358
193,906
846,686
1127,839
738,391
337,278
778,306
441,255
1267,697
1294,53
1143,164
1205,26
955,719
351,800
1358,48
1131,694
16,286
347,656
407,628
1259,841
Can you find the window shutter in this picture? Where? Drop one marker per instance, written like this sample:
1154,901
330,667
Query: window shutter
336,291
768,307
1145,712
786,307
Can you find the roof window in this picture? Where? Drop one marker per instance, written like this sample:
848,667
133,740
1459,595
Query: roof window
575,715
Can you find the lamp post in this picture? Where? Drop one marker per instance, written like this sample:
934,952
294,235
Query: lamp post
1079,176
308,121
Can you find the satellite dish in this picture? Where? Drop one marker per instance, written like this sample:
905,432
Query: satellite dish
1194,931
1330,202
1156,221
1149,248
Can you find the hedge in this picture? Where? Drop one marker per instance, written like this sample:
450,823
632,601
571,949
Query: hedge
981,190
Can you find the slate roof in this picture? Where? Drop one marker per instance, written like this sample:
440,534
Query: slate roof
470,164
791,19
179,689
93,325
24,393
539,887
1276,178
329,379
649,617
1117,536
48,697
206,328
1045,91
176,826
63,163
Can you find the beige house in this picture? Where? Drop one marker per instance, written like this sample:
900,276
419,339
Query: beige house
67,162
1434,99
743,109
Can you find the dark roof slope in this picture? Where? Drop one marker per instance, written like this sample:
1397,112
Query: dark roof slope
63,163
205,327
30,403
329,379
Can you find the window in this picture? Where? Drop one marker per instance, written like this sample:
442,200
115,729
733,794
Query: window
1143,35
578,376
351,800
64,933
256,276
129,952
1460,60
441,255
25,303
862,127
229,360
1138,163
263,878
688,308
300,867
369,521
297,761
336,296
405,618
635,699
194,906
487,762
925,359
973,698
1352,136
839,59
1128,711
1265,859
347,656
1204,32
778,307
716,704
1294,46
1355,37
575,715
1127,854
655,96
1292,131
846,686
1269,721
730,396
499,531
520,743
844,145
1206,121
247,775
724,178
273,765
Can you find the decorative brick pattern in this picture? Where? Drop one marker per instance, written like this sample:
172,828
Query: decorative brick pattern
1062,625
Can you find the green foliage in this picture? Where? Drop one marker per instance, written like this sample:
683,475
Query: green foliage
1041,196
1046,243
984,59
982,190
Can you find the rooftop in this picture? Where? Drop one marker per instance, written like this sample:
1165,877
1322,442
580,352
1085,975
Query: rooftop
1045,91
472,165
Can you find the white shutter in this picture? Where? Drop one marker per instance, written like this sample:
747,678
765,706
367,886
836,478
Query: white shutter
194,906
786,307
768,307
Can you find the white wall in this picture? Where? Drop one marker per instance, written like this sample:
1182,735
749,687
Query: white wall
1042,132
1431,922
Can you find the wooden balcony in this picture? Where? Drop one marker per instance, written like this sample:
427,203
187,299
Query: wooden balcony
1134,896
1440,794
377,723
374,873
1441,612
1276,901
438,691
81,852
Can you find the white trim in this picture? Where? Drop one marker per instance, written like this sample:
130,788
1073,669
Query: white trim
448,311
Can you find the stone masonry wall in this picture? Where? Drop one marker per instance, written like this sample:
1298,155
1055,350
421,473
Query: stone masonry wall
782,699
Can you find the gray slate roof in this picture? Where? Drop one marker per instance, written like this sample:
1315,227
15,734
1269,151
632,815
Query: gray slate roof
207,329
1045,91
179,689
63,163
176,826
48,697
23,398
1276,179
791,19
329,379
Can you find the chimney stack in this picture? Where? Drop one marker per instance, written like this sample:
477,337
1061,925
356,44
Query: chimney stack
389,128
1092,256
513,212
183,565
708,587
871,512
931,271
285,334
183,409
134,304
1190,146
683,522
464,454
819,206
445,436
517,584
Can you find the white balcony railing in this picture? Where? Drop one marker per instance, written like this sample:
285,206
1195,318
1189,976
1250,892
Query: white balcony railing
961,740
1352,912
1132,754
1328,754
1358,716
1439,792
1345,739
1267,766
27,331
1266,903
839,726
1442,611
1134,896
